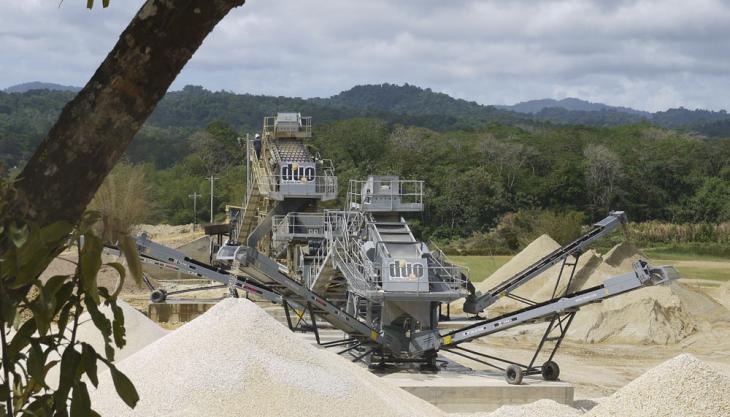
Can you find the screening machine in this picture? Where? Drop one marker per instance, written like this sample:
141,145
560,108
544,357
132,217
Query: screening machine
362,269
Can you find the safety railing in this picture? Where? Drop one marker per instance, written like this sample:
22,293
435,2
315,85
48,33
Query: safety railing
323,187
299,128
298,225
385,195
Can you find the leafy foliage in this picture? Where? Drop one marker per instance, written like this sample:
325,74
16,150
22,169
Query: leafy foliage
39,320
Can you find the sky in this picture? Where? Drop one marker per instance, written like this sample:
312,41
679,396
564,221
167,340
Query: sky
648,55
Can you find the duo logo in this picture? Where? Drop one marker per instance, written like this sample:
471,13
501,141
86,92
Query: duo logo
405,270
295,172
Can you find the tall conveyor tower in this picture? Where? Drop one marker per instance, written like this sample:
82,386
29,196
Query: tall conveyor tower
362,269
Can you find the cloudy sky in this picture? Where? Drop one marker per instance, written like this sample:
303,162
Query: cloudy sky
650,55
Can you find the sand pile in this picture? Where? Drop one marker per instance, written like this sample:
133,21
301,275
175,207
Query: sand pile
660,315
722,294
140,330
107,277
237,360
172,236
535,251
683,387
541,408
623,256
590,264
650,315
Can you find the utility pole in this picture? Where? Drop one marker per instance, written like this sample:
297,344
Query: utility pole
211,179
195,196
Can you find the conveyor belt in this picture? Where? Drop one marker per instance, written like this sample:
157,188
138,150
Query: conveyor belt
263,278
643,275
476,304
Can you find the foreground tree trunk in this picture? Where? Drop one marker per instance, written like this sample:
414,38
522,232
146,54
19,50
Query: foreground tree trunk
95,128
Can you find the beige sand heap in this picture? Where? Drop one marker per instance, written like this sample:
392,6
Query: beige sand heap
541,408
535,251
107,276
683,387
172,236
648,315
589,265
623,256
140,331
237,360
660,315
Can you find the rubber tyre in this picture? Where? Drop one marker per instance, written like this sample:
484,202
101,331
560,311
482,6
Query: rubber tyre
513,375
158,296
550,371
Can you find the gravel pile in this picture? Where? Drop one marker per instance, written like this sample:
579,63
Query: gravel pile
541,408
237,360
680,387
140,331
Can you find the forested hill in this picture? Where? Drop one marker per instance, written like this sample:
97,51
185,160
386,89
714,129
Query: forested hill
484,171
25,117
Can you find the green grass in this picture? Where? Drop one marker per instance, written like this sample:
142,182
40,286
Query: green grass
713,274
480,267
690,252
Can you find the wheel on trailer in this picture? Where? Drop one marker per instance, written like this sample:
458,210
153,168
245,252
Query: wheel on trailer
513,374
550,371
158,296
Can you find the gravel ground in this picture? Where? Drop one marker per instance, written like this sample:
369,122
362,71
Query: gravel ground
237,360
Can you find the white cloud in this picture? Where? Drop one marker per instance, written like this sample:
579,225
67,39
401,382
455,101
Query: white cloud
645,54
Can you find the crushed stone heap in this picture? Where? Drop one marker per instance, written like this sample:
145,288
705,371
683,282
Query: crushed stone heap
680,387
541,408
237,360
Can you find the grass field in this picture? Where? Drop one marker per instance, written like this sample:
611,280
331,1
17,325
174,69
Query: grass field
720,274
480,267
690,265
673,254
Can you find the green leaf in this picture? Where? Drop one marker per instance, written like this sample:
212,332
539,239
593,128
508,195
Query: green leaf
8,308
124,386
70,361
90,263
105,3
118,325
18,235
120,270
89,4
80,402
21,339
56,234
36,362
51,287
100,321
88,357
109,351
128,246
63,318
